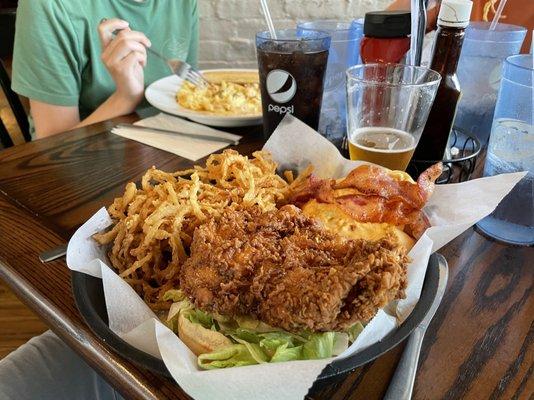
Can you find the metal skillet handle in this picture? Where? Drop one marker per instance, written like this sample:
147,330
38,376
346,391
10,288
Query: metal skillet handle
401,385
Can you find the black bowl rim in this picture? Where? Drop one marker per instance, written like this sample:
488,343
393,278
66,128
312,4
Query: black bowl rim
99,327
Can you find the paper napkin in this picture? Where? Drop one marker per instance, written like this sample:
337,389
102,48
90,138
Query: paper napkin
187,147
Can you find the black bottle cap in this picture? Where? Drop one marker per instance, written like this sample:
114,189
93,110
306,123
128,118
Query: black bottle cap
387,24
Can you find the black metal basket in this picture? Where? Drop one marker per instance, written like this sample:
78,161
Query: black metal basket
461,157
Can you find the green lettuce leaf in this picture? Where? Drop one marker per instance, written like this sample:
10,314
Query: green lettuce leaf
200,317
173,294
319,345
354,331
252,324
254,349
341,343
286,353
225,323
172,324
236,355
274,342
246,335
254,341
183,305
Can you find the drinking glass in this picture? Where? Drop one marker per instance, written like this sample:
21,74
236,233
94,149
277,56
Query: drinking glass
511,149
344,53
479,73
388,105
292,67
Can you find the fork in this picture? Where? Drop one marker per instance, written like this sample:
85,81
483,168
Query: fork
53,254
178,67
182,69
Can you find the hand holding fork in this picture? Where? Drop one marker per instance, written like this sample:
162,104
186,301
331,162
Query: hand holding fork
123,47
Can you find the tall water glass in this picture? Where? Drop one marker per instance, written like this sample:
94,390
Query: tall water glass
344,53
388,105
511,149
479,73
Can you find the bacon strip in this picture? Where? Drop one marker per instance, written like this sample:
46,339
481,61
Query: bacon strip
426,180
375,180
314,188
380,197
374,209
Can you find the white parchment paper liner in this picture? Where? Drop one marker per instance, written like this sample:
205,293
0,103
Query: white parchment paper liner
452,209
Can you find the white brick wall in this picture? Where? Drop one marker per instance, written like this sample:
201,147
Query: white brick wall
227,27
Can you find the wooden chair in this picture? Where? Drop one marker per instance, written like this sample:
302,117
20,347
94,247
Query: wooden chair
7,31
14,103
5,138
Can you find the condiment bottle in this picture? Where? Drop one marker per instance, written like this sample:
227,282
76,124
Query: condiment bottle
453,18
385,36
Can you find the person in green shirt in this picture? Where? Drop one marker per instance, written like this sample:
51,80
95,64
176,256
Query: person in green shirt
84,61
76,71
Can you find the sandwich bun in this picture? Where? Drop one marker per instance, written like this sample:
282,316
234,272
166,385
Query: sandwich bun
199,339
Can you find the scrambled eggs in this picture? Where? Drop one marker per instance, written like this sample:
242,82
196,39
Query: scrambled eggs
224,97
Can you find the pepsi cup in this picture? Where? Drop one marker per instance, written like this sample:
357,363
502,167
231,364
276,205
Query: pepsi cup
292,70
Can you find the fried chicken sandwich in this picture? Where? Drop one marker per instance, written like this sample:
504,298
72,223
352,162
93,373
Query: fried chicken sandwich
289,277
299,282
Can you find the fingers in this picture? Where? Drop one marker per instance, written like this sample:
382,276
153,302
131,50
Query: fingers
107,27
126,35
131,60
126,42
116,53
126,63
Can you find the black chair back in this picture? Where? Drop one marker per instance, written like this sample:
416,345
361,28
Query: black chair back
5,139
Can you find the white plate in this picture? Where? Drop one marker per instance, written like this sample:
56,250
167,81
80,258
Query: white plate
162,95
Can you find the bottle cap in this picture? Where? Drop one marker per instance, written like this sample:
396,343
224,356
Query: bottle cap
455,13
387,24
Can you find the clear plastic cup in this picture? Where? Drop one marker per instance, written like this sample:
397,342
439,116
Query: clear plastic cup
511,149
344,53
292,67
388,105
479,73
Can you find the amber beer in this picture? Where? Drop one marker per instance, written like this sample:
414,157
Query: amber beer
388,147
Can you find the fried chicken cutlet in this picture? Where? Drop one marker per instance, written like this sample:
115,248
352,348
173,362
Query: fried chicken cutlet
286,270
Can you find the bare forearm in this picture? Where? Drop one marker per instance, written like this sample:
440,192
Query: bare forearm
50,119
124,56
113,107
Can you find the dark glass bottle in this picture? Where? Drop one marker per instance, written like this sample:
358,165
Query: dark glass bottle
445,57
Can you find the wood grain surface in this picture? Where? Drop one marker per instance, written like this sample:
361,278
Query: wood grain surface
18,324
479,345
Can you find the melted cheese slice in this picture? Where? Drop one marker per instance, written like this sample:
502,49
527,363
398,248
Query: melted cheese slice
400,176
336,220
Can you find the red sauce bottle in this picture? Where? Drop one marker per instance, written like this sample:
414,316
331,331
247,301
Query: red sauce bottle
386,36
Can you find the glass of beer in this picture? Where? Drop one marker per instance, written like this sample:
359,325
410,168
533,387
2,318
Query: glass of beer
387,108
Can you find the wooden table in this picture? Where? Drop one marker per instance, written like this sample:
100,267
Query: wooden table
480,344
